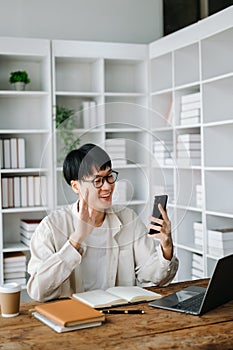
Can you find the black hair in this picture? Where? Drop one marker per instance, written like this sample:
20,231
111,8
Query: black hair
80,162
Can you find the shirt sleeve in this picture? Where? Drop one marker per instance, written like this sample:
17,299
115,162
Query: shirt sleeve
48,267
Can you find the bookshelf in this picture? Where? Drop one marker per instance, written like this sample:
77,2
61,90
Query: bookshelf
196,60
109,81
25,115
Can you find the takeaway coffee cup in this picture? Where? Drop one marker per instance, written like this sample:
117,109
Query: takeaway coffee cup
10,299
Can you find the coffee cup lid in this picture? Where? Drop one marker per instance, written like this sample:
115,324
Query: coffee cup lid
10,288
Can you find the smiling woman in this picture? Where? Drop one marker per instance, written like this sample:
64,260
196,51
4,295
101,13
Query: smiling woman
92,244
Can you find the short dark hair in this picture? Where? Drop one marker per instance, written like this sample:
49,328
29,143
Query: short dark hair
80,162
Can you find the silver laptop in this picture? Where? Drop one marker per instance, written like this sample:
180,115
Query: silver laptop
198,300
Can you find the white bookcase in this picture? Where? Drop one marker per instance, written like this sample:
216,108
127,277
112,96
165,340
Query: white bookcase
131,97
25,114
114,77
198,58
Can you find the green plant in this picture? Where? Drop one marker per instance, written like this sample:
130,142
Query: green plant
19,76
65,123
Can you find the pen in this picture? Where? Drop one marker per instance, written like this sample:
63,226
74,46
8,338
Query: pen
137,311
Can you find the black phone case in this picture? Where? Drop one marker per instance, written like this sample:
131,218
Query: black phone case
162,199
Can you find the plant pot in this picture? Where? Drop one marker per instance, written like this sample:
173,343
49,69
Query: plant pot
19,86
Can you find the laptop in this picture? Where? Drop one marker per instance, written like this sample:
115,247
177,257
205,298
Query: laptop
198,300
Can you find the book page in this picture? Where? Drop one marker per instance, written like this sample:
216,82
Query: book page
99,298
134,293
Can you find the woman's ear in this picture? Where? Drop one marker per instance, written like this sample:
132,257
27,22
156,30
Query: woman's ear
75,185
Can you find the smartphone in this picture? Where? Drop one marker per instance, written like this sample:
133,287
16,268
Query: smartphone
162,199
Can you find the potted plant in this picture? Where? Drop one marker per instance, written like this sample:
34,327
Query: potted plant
65,124
19,79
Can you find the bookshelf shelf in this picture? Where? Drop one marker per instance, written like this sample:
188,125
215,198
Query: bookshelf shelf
26,118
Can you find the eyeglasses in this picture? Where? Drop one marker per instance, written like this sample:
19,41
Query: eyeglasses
98,181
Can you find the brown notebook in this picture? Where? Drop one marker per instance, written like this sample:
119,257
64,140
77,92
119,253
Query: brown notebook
68,312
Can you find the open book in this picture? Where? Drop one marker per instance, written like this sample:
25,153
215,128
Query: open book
115,296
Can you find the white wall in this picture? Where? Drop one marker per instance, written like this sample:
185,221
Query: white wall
134,21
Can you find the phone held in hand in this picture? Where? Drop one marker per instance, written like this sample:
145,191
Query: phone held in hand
162,199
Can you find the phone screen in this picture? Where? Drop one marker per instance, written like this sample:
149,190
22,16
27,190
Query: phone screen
162,199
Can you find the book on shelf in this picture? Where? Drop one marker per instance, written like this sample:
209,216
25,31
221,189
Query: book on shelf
29,224
25,240
190,113
21,281
21,153
6,153
218,252
30,191
14,257
68,314
14,267
23,191
1,154
17,193
189,137
190,121
14,274
188,145
189,153
194,97
221,233
89,114
190,105
13,153
4,192
115,296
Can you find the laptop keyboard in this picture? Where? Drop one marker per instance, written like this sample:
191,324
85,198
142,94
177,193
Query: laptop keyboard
192,304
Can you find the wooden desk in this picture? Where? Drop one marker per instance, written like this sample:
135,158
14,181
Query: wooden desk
156,329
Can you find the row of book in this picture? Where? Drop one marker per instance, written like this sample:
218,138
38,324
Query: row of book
27,228
89,114
162,151
190,109
219,241
189,149
12,153
15,267
24,191
116,148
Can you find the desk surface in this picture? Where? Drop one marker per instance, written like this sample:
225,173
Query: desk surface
156,329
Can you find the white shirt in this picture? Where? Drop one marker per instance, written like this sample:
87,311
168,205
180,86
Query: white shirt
94,262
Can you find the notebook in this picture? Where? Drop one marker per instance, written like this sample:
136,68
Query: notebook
113,296
69,313
198,300
61,329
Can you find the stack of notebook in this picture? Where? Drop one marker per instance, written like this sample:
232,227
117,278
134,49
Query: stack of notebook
68,315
